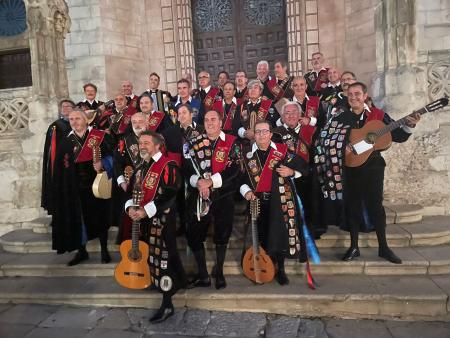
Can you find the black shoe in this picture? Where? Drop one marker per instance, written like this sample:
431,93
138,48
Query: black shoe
198,282
162,314
106,258
281,277
351,254
221,283
389,255
79,257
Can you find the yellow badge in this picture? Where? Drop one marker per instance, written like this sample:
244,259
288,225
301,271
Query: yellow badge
152,179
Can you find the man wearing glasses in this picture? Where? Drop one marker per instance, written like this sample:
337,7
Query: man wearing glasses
206,93
269,169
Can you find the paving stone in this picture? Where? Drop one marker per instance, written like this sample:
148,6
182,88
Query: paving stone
419,329
15,330
230,324
340,328
75,317
4,307
311,329
173,325
282,326
115,319
53,332
195,322
110,333
139,319
27,314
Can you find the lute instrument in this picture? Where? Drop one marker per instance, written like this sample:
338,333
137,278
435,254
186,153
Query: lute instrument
375,135
102,186
132,271
256,264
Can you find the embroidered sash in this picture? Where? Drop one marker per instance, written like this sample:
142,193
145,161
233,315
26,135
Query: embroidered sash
278,90
151,180
155,120
210,98
94,139
219,106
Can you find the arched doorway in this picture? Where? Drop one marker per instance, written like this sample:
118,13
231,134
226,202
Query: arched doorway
235,34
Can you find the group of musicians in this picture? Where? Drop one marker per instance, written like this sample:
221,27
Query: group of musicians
192,156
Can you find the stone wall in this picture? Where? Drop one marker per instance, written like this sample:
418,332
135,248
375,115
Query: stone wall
419,170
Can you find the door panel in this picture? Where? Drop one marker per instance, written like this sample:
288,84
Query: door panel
235,34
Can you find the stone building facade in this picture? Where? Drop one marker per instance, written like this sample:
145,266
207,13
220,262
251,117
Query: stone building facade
400,48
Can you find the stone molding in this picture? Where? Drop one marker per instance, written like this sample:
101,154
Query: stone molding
14,111
439,79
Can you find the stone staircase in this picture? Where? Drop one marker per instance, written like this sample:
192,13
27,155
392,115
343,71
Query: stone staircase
30,272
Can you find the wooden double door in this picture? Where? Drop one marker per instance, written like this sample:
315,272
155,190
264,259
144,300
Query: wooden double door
234,35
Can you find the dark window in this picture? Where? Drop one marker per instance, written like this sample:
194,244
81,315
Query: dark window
15,69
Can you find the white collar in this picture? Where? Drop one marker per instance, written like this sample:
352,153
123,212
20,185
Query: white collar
297,128
222,136
90,102
157,156
296,100
318,71
257,101
89,128
152,91
334,85
234,100
131,96
207,89
179,100
193,125
255,147
366,107
240,89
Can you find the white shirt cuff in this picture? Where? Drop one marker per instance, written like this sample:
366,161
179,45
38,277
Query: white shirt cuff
121,179
312,121
279,123
128,204
150,209
407,129
297,174
216,180
193,181
244,189
241,132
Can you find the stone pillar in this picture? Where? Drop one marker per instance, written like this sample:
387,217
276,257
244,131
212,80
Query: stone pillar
22,143
185,38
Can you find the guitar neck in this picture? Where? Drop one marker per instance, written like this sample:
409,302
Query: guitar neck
401,122
255,239
135,235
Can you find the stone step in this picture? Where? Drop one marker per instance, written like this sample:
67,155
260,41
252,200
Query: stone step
372,297
432,230
416,261
395,214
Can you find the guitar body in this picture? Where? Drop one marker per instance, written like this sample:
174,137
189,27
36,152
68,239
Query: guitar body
101,188
133,272
367,133
258,268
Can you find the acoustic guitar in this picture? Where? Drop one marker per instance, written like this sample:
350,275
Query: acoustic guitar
132,271
375,135
102,186
257,265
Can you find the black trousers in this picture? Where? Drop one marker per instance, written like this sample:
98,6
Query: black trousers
221,213
364,196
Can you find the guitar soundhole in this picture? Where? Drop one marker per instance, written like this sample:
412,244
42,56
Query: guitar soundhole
371,138
134,255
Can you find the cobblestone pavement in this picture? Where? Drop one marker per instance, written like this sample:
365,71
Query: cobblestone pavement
36,321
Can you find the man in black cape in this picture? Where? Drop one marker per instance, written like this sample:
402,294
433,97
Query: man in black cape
55,133
78,216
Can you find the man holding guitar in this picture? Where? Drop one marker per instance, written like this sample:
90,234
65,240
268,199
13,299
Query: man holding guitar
269,167
358,191
160,181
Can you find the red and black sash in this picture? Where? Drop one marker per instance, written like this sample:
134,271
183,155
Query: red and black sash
151,180
219,106
126,118
94,139
244,97
278,90
306,133
261,174
210,160
260,114
132,147
210,98
154,120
